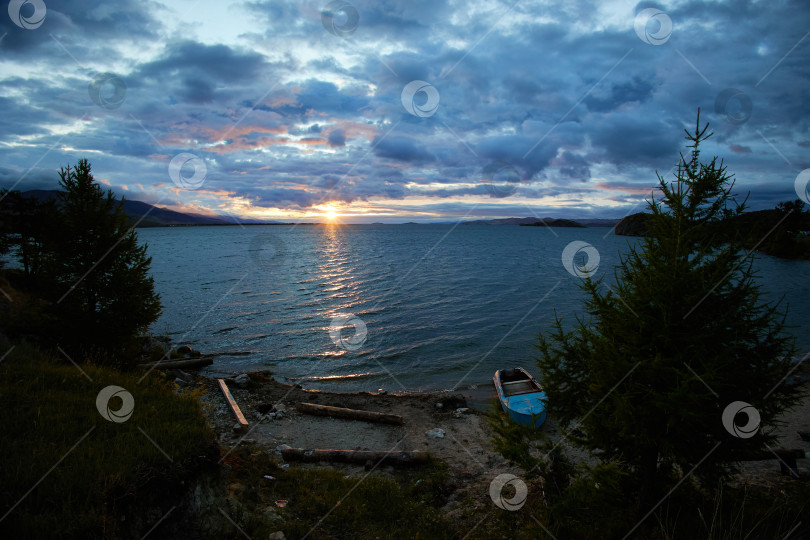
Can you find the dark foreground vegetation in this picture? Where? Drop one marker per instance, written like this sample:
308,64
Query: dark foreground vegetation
161,472
644,381
82,261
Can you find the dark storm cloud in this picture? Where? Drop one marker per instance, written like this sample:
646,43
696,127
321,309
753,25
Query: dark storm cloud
337,138
634,90
401,148
194,70
127,20
575,166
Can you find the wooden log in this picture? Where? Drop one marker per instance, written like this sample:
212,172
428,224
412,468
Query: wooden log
174,364
352,414
400,459
764,455
232,402
786,457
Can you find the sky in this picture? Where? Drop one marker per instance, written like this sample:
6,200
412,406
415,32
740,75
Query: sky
392,111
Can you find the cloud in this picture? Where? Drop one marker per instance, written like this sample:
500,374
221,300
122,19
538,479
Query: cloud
337,138
401,148
287,115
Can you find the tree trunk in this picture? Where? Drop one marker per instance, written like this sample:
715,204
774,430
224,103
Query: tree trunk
647,470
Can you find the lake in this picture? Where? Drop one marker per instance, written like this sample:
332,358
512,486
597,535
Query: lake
439,306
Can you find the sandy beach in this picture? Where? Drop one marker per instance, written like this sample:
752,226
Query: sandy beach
466,446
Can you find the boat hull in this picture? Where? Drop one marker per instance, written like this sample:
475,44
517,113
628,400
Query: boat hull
526,419
526,408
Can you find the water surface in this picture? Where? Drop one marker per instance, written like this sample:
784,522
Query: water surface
442,305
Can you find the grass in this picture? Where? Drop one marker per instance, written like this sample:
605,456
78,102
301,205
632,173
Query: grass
69,473
326,503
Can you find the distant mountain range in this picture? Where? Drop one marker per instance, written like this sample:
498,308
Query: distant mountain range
147,215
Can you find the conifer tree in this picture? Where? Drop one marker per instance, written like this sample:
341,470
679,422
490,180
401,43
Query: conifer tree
645,378
99,274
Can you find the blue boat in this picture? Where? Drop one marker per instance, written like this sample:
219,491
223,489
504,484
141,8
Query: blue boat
521,397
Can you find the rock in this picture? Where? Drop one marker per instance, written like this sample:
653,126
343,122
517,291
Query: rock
150,343
237,427
279,415
281,447
271,515
242,381
436,433
381,391
184,349
264,408
459,412
278,535
439,405
279,407
454,402
180,382
194,353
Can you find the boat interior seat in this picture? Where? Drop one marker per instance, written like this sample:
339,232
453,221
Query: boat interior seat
518,387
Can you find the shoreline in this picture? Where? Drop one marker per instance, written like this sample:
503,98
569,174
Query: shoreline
467,447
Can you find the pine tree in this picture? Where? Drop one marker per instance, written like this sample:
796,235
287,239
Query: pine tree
99,275
25,224
645,378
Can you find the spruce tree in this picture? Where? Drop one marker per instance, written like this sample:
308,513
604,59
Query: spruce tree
643,380
99,274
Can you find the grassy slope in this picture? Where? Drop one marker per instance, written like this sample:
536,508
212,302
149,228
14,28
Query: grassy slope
48,408
115,483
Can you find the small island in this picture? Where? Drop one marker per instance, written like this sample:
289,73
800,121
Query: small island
554,223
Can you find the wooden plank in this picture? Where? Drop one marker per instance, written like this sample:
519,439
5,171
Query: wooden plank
186,363
352,414
232,402
401,459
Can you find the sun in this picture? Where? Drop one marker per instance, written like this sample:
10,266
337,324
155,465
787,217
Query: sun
331,215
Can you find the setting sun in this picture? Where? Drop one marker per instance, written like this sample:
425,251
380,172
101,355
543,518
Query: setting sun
331,215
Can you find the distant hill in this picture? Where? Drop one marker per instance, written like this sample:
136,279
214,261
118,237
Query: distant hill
767,231
547,222
633,225
135,210
553,223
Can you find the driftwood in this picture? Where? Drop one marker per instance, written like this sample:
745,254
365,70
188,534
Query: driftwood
401,459
173,364
232,402
786,457
352,414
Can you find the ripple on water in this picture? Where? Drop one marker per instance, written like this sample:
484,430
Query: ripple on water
430,319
